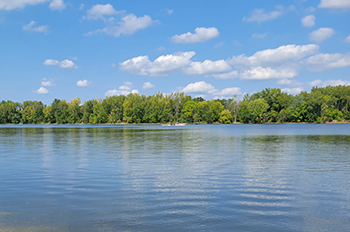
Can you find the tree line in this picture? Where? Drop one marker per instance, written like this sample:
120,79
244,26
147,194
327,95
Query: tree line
270,105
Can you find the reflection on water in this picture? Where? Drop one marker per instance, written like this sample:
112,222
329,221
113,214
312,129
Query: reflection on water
151,178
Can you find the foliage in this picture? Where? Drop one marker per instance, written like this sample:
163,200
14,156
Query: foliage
270,105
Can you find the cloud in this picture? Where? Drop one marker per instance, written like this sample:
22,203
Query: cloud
49,62
284,82
207,67
321,34
348,39
81,6
30,27
293,91
321,83
228,75
260,73
14,4
308,21
228,91
202,34
112,65
199,87
259,36
83,83
47,82
67,64
127,83
147,85
57,5
219,45
42,90
259,16
161,48
128,25
289,82
203,88
122,90
276,56
62,64
169,12
99,11
322,61
162,66
334,4
309,10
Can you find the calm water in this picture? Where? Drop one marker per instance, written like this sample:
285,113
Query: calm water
193,178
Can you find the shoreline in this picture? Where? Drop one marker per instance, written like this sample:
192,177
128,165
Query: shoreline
239,123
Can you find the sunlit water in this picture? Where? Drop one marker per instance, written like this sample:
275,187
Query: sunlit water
193,178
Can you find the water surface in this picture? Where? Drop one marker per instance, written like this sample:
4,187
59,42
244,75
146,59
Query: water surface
193,178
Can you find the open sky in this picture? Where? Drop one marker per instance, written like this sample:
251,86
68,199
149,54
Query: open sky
210,48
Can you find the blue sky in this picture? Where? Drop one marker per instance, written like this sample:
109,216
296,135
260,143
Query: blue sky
93,49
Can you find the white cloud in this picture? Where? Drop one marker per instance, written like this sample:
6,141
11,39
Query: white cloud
47,82
112,65
127,83
275,56
259,16
259,36
207,67
30,27
289,82
309,10
260,73
57,5
99,11
62,64
122,90
147,85
162,66
334,4
13,4
81,7
199,87
124,87
42,90
83,83
161,48
321,34
321,83
49,62
201,34
322,61
128,25
293,91
67,64
308,21
169,12
284,82
228,91
348,39
229,75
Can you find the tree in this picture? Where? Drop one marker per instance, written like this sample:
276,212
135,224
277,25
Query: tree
189,110
225,117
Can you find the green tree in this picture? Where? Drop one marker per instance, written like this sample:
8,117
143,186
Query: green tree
225,117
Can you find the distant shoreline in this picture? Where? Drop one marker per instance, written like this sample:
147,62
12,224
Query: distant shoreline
125,123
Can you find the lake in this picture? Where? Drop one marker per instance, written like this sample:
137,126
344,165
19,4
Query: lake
193,178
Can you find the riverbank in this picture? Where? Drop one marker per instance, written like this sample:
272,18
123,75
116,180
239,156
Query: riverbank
238,123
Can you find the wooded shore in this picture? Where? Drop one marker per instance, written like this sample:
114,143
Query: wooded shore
321,105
